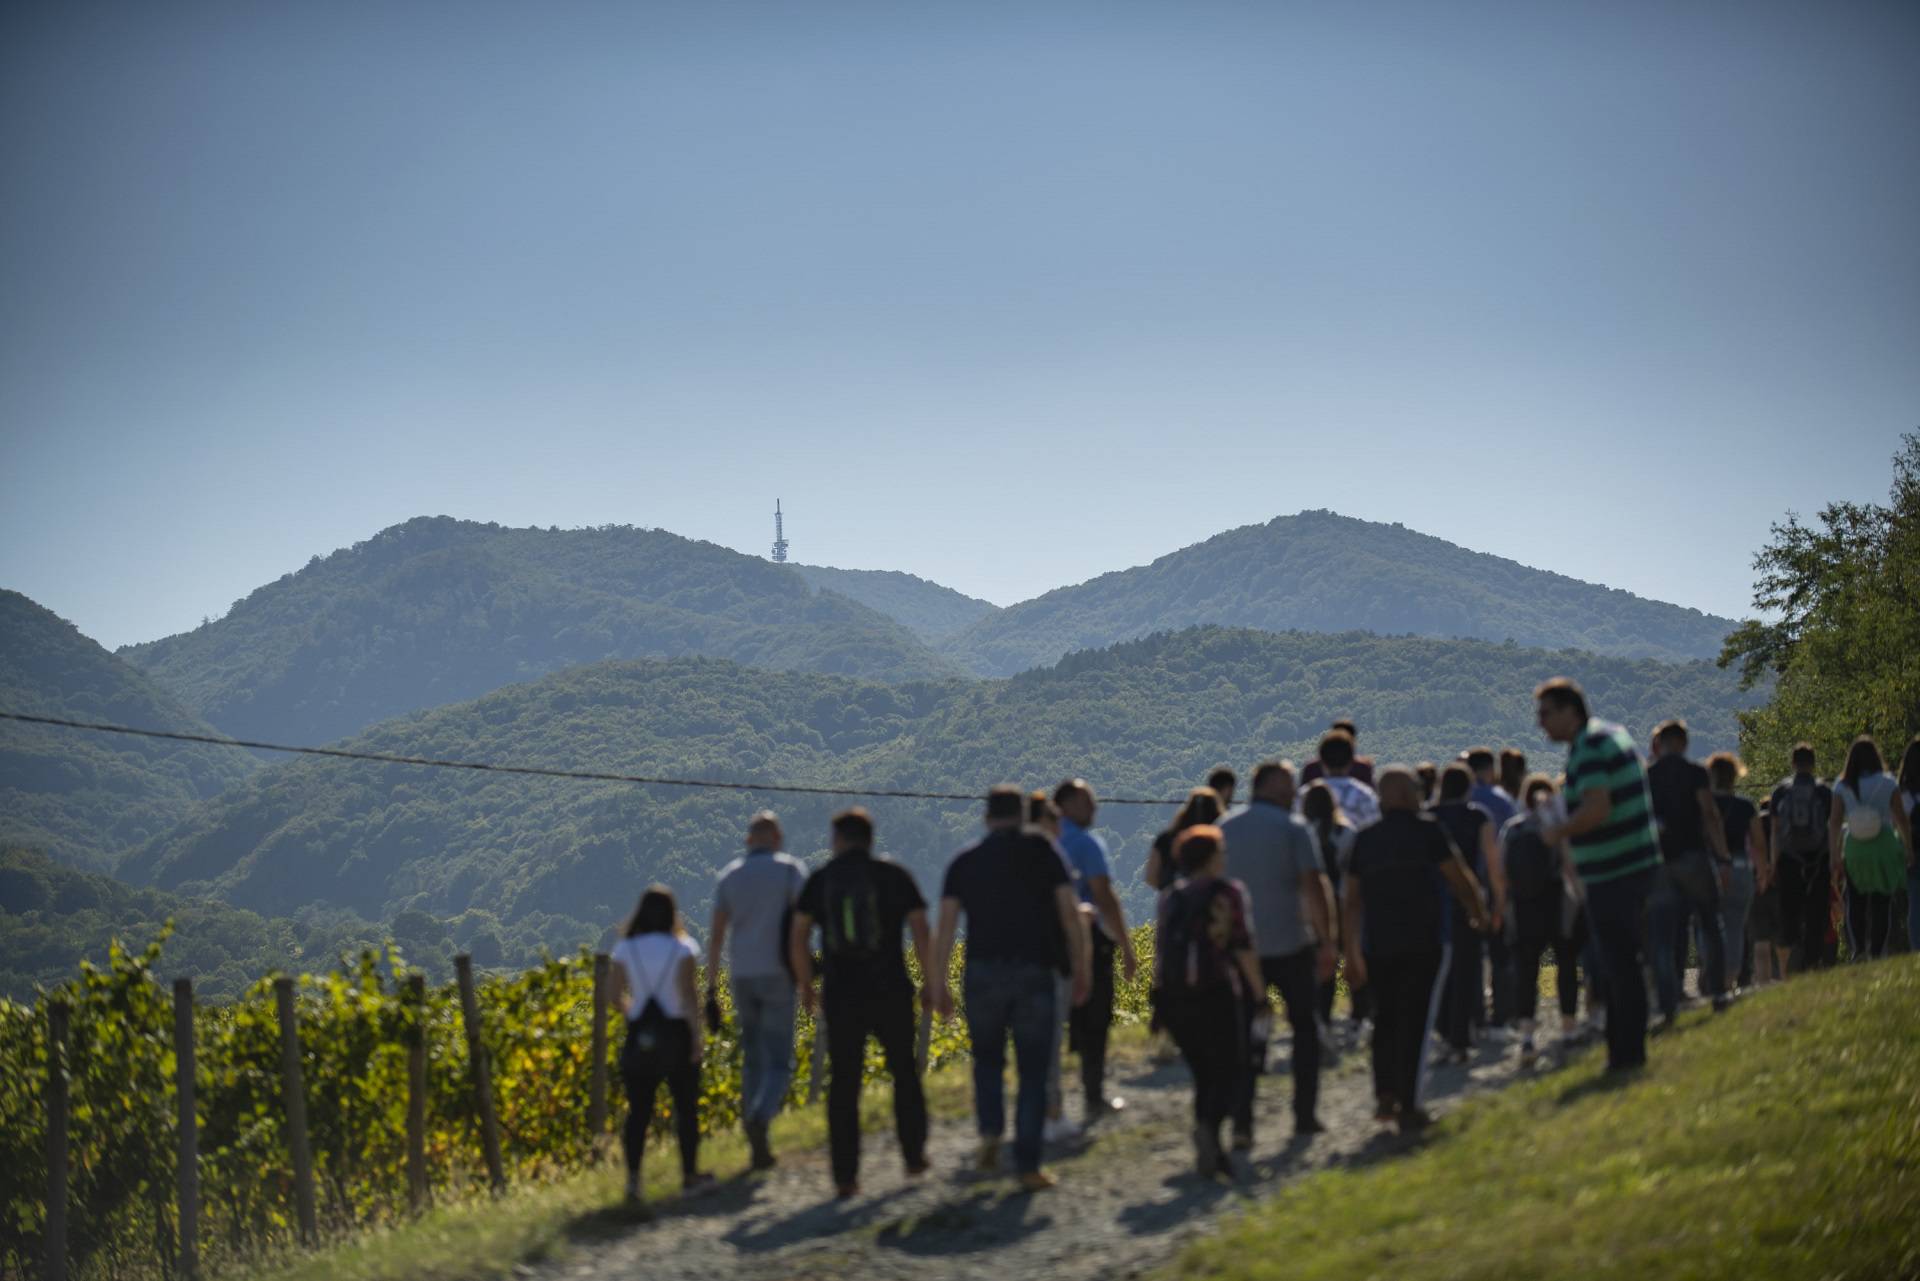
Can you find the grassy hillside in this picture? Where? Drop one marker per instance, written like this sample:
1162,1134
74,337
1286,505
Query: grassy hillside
1149,717
1779,1140
439,610
1319,571
85,799
927,609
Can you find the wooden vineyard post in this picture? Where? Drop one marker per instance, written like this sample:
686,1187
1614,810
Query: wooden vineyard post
294,1085
817,1069
923,1039
597,1088
417,1094
187,1152
482,1072
58,1015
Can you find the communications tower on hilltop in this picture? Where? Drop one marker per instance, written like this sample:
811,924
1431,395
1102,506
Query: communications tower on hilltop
779,535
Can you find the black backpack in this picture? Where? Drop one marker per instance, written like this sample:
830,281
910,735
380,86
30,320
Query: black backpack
850,905
651,1044
1801,829
1187,959
1533,866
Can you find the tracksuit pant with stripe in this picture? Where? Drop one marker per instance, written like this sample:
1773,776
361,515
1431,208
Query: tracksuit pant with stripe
1406,987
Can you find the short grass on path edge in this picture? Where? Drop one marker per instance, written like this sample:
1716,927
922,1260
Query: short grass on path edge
1780,1139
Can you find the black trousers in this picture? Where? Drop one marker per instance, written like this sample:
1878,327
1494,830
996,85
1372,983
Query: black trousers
643,1075
855,1012
1500,968
1617,915
1805,908
1292,976
1210,1029
1090,1024
1869,923
1406,999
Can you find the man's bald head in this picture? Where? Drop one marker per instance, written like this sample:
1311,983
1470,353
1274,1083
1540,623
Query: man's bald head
1399,788
763,831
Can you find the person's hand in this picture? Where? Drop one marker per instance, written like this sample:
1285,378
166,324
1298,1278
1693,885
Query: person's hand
1082,988
1323,961
1723,872
938,999
1356,970
809,998
1499,918
1129,961
1554,833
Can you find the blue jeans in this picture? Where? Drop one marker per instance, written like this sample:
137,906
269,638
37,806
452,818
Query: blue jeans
1735,903
1685,888
1011,997
764,1005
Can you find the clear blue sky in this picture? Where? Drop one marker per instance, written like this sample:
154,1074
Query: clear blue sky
1004,295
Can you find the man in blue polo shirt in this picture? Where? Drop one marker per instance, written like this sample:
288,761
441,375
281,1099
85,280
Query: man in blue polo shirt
1093,879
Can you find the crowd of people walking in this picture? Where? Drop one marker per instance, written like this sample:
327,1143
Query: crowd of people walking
1436,892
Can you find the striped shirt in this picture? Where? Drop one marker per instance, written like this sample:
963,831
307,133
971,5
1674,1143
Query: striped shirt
1604,756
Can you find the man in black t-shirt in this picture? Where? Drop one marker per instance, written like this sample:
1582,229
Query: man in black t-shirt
861,902
1693,873
1017,894
1797,834
1397,928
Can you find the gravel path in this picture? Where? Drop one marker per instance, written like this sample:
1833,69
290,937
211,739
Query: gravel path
1126,1202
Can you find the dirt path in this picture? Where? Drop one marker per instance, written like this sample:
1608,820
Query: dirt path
1126,1202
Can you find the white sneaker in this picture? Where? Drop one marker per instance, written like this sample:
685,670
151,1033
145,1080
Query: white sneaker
1059,1129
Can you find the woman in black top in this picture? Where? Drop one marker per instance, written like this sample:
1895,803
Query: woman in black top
1203,806
1538,915
1471,829
1333,834
1747,847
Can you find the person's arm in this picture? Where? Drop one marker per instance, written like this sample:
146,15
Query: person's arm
688,980
922,948
1082,940
1356,964
800,958
1317,892
716,948
1250,970
1904,826
938,996
617,998
1836,844
1151,874
1107,903
1595,806
1762,856
1466,889
1496,871
1067,904
1715,826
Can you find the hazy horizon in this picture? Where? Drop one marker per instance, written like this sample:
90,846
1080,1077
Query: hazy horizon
1002,298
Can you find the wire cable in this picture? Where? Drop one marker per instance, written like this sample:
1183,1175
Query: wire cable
488,767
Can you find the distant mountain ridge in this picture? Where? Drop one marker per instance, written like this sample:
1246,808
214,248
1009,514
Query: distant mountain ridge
1320,571
930,611
438,610
81,798
1148,717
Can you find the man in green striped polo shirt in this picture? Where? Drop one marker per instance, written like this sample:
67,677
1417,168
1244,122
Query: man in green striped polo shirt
1615,852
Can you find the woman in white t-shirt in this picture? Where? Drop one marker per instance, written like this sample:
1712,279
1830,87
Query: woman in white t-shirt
655,980
1874,851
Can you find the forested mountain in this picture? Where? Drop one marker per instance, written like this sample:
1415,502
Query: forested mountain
930,611
85,799
1144,718
54,917
1319,571
440,610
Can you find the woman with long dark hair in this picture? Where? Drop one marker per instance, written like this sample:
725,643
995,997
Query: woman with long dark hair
1333,835
656,974
1874,851
1463,1007
1202,806
1539,884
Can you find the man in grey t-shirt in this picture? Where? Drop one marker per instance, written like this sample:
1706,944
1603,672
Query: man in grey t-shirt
750,904
1271,852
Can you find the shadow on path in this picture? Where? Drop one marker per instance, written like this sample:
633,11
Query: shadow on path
823,1219
983,1220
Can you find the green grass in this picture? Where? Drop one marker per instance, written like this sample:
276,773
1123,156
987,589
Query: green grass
1781,1139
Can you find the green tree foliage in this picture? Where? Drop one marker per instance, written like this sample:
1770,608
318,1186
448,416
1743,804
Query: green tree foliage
1843,595
556,863
930,611
87,799
439,610
52,918
1319,571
